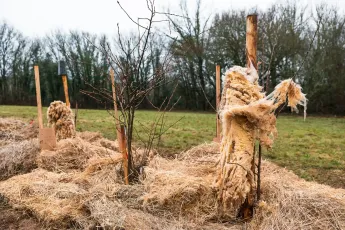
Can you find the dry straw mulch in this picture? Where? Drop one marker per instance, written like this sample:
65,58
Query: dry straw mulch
13,130
18,147
18,158
88,191
80,185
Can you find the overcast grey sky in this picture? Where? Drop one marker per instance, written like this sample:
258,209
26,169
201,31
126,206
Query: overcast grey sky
39,17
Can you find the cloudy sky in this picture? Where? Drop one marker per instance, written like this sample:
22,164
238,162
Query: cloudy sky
39,17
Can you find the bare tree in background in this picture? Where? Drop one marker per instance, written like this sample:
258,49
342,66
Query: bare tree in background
136,78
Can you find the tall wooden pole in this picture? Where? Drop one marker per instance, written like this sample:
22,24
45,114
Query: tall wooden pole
65,88
251,39
112,77
218,100
121,138
120,130
38,97
251,49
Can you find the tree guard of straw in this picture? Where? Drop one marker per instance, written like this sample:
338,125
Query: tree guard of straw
246,116
61,118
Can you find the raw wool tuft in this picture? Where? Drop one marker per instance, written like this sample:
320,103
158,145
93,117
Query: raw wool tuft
247,115
61,118
290,90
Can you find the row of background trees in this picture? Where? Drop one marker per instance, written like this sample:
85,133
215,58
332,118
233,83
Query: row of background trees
294,42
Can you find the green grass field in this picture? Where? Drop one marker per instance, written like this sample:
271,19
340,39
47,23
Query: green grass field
314,149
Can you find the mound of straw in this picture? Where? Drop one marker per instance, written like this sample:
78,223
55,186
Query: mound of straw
173,194
73,154
90,136
289,202
50,196
12,130
18,158
61,118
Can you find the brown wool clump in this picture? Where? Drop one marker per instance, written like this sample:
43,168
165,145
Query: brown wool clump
247,115
61,118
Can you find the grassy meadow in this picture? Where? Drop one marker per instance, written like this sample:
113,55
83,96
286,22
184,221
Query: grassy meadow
314,149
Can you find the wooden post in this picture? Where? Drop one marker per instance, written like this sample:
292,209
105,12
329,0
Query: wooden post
251,48
251,39
218,96
38,97
76,115
65,88
46,135
120,130
112,77
121,138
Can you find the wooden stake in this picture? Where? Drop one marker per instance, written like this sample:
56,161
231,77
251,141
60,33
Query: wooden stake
251,39
38,97
120,130
114,95
46,135
65,88
251,48
76,115
121,138
218,96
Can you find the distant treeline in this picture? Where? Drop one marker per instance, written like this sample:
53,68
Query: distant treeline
294,42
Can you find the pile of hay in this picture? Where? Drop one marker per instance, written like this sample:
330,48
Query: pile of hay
289,202
61,118
173,194
18,158
13,130
183,186
73,154
18,147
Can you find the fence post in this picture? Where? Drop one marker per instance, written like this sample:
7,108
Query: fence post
218,96
46,135
62,72
251,49
120,130
38,97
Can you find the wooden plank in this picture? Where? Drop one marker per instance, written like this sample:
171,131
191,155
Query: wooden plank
38,96
47,138
65,88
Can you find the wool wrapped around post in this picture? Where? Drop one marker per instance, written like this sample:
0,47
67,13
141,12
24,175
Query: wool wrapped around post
61,118
247,115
